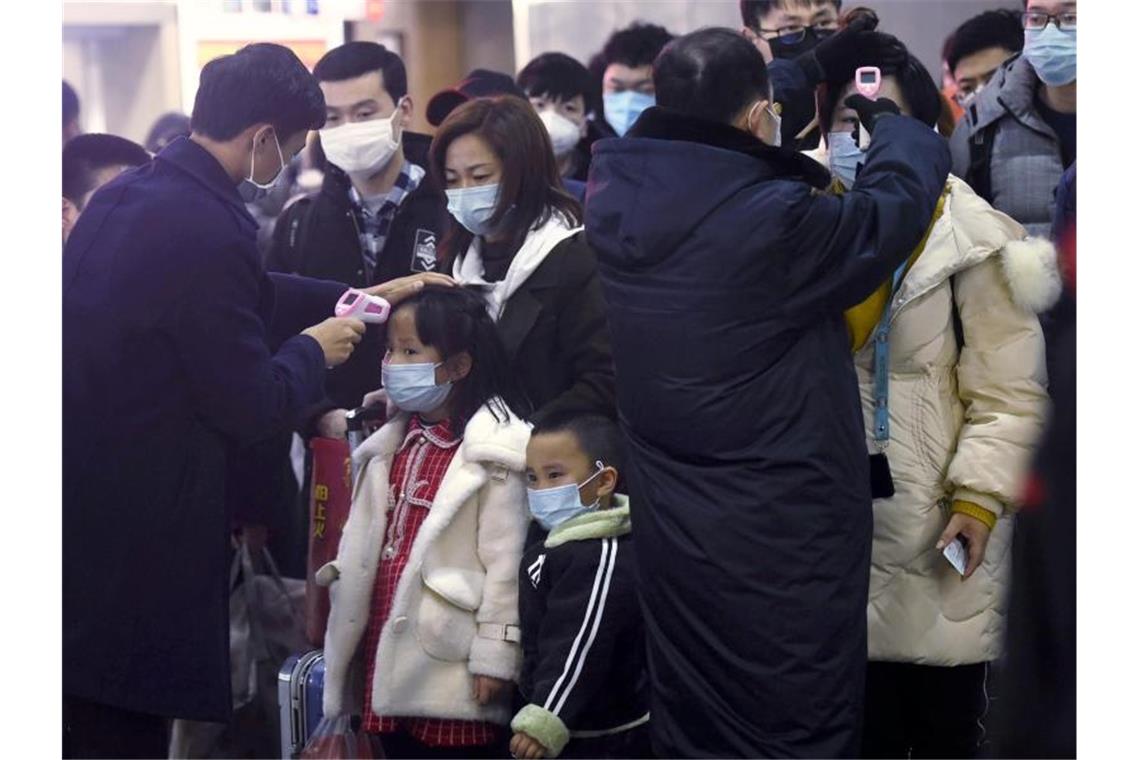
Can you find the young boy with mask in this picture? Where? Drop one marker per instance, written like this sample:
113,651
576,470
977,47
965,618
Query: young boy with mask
583,677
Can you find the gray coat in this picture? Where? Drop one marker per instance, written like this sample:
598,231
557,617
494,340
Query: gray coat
1026,162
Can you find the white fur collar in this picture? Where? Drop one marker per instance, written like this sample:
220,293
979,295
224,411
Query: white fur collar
486,439
468,268
969,232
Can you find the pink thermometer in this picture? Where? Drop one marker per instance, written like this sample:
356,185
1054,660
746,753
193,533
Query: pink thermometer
867,82
359,305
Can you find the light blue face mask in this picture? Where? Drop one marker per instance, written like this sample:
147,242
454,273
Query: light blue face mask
844,157
623,108
412,388
1053,54
554,506
473,207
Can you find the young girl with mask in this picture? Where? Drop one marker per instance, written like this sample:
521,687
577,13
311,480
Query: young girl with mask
518,237
425,576
950,362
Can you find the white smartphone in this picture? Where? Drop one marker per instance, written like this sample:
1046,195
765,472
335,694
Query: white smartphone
956,554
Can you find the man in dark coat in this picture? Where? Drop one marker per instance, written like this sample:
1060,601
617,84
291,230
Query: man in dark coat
168,324
726,275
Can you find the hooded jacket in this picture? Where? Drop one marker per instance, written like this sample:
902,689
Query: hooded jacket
455,611
726,274
963,422
1025,163
583,641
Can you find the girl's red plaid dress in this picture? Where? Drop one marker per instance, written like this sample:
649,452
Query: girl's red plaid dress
417,471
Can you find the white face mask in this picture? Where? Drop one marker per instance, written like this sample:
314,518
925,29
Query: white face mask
473,207
362,147
250,189
564,134
775,117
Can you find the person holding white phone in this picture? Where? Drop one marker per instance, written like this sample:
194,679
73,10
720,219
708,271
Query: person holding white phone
950,361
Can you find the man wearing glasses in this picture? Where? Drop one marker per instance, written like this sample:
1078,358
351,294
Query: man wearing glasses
787,28
1020,132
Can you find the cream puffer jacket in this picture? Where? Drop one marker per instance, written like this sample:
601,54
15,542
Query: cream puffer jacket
963,424
455,610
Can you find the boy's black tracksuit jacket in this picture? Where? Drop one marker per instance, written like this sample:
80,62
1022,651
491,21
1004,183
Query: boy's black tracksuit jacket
583,674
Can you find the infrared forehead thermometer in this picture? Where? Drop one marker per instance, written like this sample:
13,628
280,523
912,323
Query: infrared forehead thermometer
359,305
867,82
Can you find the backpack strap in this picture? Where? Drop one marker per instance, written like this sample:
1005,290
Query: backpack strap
981,152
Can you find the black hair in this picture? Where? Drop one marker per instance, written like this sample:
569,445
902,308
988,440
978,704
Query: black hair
992,29
86,155
70,104
165,129
636,45
922,96
354,59
262,83
598,436
453,320
557,75
711,74
752,10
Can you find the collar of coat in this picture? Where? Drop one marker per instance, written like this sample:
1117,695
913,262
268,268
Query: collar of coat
658,123
196,161
603,523
487,439
1012,92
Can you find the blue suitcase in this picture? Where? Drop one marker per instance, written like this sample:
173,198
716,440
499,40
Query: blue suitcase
300,686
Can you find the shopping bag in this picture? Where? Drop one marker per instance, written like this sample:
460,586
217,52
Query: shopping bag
335,739
329,500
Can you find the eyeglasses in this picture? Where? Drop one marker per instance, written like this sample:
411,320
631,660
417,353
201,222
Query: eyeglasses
790,35
1036,21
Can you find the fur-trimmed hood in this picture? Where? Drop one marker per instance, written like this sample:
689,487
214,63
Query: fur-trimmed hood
969,232
602,523
486,439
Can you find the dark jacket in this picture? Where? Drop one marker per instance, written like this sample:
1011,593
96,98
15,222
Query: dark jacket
582,636
318,236
168,317
748,466
554,330
1025,162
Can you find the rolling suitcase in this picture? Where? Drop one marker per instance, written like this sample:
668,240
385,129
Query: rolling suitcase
300,686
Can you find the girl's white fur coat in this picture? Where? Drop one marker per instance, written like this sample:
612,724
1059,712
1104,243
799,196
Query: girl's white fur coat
455,612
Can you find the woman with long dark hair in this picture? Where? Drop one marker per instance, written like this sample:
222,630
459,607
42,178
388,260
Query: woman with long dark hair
518,238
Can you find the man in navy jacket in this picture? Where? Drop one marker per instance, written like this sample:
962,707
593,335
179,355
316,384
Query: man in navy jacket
726,274
177,348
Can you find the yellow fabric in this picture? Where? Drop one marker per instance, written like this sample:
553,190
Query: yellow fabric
973,510
864,317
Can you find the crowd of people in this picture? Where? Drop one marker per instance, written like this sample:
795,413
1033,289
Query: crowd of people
713,383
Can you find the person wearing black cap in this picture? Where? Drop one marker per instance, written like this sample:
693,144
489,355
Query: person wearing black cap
480,83
378,215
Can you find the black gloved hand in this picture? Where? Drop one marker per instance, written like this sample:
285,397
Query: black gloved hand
836,57
870,111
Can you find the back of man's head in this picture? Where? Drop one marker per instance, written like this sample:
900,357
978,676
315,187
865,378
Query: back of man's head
993,29
636,45
262,83
355,59
86,157
710,74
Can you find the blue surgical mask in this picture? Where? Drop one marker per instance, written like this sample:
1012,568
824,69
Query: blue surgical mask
844,157
1053,54
250,189
412,388
473,207
623,108
554,506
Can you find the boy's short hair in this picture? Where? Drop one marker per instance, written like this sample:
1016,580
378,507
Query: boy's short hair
637,45
751,11
557,75
86,155
598,436
354,59
992,29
